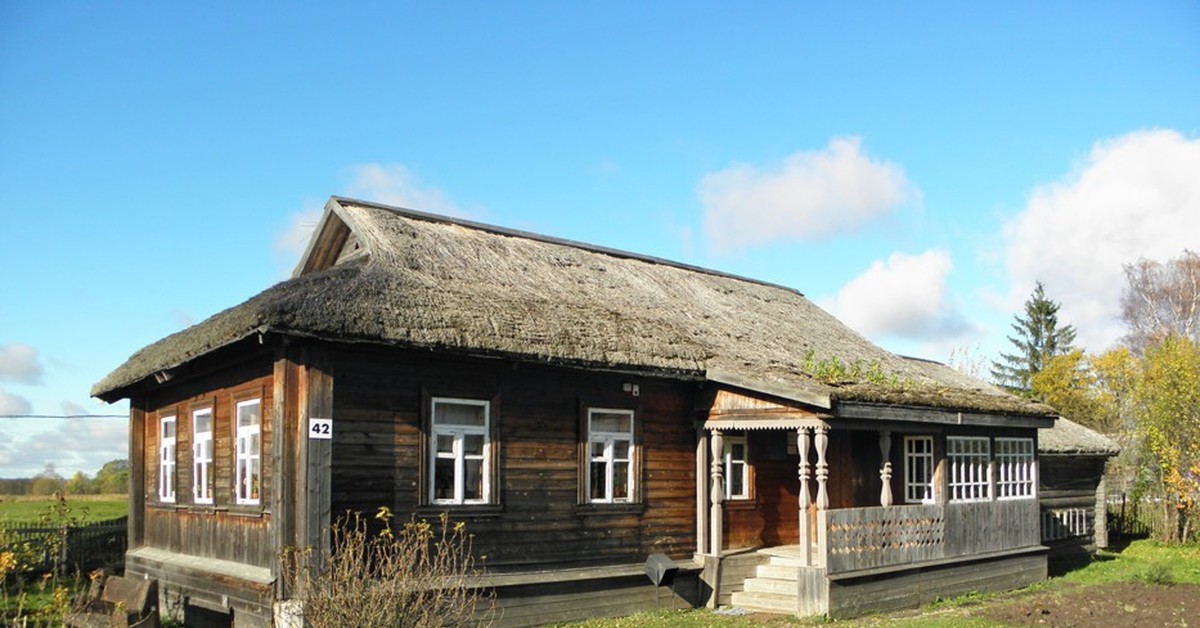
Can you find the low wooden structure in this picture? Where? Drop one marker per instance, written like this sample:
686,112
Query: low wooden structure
580,409
116,602
1073,493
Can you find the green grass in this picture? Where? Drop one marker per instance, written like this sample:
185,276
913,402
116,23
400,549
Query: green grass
28,510
1143,561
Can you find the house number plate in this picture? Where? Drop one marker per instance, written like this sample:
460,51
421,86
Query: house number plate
320,429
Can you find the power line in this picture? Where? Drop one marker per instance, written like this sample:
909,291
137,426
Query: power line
64,416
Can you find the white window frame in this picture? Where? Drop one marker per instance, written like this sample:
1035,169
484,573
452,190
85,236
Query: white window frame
458,453
166,458
202,457
969,460
608,441
735,466
247,464
1015,460
918,470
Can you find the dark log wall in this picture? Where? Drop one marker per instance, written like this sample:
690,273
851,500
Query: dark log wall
1068,487
378,458
223,529
772,516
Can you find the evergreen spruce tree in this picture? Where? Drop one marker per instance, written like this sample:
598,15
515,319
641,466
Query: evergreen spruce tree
1038,338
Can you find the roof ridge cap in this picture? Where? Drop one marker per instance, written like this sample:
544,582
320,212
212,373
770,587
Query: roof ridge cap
547,239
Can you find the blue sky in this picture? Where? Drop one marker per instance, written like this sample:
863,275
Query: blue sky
912,167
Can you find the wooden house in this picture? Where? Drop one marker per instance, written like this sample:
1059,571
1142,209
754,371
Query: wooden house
1073,493
582,410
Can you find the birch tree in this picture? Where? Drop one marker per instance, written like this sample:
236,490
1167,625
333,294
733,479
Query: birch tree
1161,298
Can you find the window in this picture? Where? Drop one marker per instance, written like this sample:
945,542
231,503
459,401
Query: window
918,469
610,456
166,458
460,458
969,472
248,461
202,455
737,472
1014,468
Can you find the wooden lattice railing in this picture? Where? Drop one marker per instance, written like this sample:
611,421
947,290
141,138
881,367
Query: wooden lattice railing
857,539
865,538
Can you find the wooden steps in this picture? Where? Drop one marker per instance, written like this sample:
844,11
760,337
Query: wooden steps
773,588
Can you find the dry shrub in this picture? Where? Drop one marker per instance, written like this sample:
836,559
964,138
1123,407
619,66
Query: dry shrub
417,574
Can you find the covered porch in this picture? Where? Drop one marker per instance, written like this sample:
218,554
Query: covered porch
846,530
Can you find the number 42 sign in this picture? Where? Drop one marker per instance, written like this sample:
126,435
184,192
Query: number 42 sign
320,429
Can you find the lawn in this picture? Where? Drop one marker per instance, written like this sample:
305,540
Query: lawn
29,510
1148,583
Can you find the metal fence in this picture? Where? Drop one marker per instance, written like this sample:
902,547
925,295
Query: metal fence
69,548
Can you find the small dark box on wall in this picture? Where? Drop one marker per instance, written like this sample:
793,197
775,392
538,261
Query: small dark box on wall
660,569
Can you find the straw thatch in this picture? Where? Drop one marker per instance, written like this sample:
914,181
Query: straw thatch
1070,438
431,282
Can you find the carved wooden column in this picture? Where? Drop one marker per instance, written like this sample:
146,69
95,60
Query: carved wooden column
885,469
717,492
822,442
802,443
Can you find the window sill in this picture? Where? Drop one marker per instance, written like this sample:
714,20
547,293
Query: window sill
622,508
461,512
248,511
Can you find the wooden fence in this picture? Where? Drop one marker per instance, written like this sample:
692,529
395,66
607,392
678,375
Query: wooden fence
46,548
1130,519
869,538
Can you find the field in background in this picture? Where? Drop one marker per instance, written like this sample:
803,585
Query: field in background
29,509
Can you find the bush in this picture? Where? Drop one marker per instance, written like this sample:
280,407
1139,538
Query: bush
419,574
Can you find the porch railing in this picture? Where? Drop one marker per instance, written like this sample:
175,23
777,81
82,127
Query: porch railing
870,538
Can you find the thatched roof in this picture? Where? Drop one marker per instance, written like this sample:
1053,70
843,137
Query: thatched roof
416,280
1070,438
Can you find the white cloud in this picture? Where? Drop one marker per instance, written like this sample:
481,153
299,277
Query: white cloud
394,184
70,445
11,404
390,184
19,363
902,297
70,408
809,196
1133,196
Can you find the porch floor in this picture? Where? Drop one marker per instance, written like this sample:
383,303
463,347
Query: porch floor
782,551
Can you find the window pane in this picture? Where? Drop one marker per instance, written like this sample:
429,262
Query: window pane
473,445
445,443
598,449
255,445
445,413
620,481
736,480
473,479
169,428
737,451
621,450
203,422
598,480
248,414
443,478
255,474
611,422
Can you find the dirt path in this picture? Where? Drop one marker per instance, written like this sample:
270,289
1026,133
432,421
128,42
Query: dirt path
1122,604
